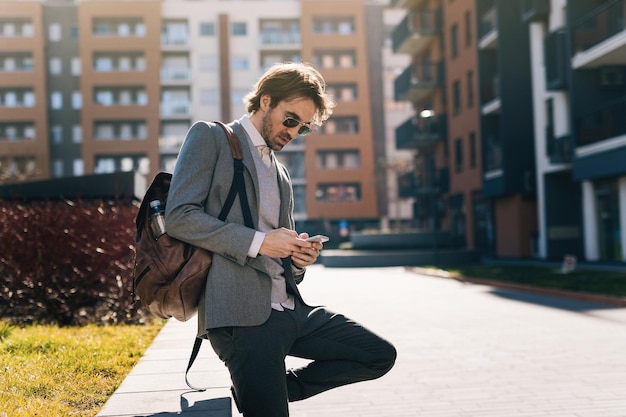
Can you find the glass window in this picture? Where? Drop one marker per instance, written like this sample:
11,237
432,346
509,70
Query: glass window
105,166
29,99
76,67
454,33
54,32
56,66
77,100
57,168
239,29
57,134
239,63
207,29
78,167
56,100
77,134
140,29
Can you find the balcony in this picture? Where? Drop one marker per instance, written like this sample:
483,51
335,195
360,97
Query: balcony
599,38
173,75
176,109
438,184
278,39
534,10
559,149
419,81
488,30
556,61
420,133
603,122
416,31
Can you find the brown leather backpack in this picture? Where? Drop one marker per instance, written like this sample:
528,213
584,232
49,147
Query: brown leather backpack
169,275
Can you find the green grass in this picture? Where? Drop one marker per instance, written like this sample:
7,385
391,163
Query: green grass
582,280
68,371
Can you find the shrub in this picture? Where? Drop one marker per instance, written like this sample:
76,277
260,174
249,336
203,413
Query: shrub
67,262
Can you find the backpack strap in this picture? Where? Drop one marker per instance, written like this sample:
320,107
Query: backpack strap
238,187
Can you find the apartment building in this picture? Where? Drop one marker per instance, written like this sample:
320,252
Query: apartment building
469,219
422,82
578,87
24,150
116,89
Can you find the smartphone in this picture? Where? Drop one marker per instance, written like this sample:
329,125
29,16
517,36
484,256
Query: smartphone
318,238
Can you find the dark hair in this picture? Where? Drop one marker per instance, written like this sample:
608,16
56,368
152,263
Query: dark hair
289,80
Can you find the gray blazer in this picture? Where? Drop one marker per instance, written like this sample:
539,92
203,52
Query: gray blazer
238,288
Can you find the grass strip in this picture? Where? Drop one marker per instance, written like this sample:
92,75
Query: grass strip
67,371
612,283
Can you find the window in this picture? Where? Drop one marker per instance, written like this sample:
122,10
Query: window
454,41
140,29
77,100
104,98
57,168
336,192
74,33
239,63
341,125
472,144
103,64
56,100
76,67
78,167
54,32
458,154
105,166
56,66
237,96
77,134
56,133
470,89
239,29
29,99
207,29
456,91
468,28
338,159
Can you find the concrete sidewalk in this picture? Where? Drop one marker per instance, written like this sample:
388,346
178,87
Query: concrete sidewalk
156,385
464,350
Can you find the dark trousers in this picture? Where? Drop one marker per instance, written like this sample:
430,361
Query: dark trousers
342,352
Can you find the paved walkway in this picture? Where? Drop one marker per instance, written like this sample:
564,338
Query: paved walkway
464,350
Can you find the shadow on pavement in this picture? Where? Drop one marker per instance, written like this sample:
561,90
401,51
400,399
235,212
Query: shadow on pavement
550,301
213,407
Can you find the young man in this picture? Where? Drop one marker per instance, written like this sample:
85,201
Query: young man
252,311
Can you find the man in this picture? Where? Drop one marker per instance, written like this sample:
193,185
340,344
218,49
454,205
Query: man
252,311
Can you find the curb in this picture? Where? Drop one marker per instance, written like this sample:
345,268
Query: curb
575,295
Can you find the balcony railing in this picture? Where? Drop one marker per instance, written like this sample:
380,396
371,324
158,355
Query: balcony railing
493,153
175,74
559,149
556,61
604,122
597,26
418,81
416,31
419,132
271,37
534,10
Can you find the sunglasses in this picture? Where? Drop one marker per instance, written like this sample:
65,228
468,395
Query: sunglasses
305,128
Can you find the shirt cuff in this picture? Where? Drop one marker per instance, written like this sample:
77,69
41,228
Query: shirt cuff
255,246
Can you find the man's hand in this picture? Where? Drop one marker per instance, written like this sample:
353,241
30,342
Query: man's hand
307,255
281,243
